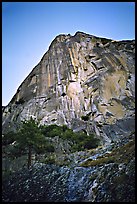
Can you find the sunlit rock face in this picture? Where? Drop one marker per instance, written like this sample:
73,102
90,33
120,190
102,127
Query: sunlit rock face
80,75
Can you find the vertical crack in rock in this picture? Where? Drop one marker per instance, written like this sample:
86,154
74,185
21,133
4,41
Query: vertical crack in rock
80,74
87,83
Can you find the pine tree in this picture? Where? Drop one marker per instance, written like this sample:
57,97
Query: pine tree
30,137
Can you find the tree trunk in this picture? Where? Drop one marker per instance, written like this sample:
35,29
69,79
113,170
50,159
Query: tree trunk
29,157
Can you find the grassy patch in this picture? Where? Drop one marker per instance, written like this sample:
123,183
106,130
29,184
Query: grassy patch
99,162
119,155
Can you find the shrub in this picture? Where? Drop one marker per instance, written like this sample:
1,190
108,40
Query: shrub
51,130
80,140
91,142
64,128
67,134
49,148
32,138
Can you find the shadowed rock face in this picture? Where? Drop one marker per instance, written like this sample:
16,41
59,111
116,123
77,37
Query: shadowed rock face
102,175
80,75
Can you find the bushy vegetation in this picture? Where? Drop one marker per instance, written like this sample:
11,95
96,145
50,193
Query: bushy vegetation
33,138
80,140
30,138
116,156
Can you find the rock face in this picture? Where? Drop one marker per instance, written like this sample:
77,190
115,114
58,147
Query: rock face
100,175
83,81
86,83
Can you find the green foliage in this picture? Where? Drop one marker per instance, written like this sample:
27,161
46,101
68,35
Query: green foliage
49,148
64,128
15,151
91,142
46,147
84,141
116,156
50,130
99,161
30,137
29,134
54,130
49,160
80,140
68,134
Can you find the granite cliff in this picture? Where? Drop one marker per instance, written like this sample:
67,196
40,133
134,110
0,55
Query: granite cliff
83,81
87,83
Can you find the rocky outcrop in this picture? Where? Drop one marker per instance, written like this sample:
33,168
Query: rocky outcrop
104,174
83,81
87,83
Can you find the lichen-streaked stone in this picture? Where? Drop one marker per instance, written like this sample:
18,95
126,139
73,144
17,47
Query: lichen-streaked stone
77,75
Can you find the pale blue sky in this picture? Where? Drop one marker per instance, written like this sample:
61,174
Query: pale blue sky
28,28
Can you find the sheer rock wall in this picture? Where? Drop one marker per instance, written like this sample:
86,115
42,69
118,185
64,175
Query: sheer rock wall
83,81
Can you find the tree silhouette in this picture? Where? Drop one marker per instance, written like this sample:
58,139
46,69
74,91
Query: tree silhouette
30,137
